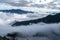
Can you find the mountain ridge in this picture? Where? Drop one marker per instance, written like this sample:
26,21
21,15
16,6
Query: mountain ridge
49,19
19,11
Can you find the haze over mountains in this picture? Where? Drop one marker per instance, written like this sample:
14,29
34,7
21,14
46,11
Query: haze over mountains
48,20
30,19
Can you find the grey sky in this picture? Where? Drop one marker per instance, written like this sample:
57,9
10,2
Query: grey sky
33,3
20,2
15,3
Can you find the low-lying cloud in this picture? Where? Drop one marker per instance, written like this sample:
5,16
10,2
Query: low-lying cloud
29,30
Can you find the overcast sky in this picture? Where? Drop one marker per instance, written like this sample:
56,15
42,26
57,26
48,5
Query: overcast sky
25,2
31,3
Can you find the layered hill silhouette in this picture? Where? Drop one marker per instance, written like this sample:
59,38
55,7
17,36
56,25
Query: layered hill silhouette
48,19
19,11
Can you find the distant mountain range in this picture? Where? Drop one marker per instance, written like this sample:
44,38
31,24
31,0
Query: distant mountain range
19,11
49,19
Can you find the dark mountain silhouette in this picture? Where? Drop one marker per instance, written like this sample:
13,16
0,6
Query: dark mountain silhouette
49,19
19,11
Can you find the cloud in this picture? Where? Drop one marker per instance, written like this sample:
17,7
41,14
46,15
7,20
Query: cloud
11,17
15,2
51,4
29,30
25,2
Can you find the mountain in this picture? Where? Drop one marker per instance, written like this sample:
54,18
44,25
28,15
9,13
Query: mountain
19,11
48,19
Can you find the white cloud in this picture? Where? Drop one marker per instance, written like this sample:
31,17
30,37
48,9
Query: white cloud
6,6
41,1
26,2
11,17
6,19
34,4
